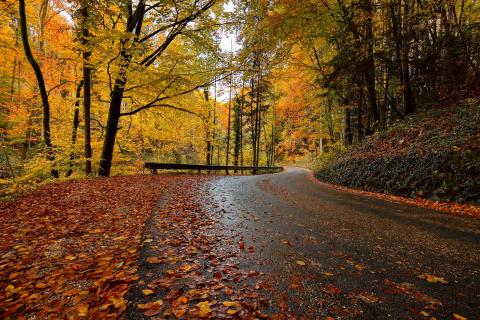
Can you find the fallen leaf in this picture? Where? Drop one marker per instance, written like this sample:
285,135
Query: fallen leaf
300,262
231,304
182,300
456,316
331,290
82,310
432,279
154,260
180,311
150,305
185,268
203,309
147,292
359,267
152,312
232,311
41,285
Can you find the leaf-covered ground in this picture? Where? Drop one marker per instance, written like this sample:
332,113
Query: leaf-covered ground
432,155
190,268
136,246
69,250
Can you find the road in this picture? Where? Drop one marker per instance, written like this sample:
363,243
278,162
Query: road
336,254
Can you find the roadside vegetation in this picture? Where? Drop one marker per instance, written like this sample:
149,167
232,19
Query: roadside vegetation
434,154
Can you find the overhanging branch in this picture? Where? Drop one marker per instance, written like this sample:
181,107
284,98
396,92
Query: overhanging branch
165,105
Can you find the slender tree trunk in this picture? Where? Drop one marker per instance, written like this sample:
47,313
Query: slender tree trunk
409,104
259,128
208,129
241,125
348,127
41,84
257,121
14,67
87,84
237,128
252,120
329,120
370,64
360,114
214,133
76,121
274,116
385,117
227,154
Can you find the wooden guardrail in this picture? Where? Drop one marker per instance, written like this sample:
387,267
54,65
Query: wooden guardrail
154,167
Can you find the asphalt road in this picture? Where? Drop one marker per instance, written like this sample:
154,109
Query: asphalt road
347,256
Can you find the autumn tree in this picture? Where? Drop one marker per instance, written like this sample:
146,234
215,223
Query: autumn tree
40,80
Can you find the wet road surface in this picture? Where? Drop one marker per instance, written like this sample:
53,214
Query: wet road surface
329,253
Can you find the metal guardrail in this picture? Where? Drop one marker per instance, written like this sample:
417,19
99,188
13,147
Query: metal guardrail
154,167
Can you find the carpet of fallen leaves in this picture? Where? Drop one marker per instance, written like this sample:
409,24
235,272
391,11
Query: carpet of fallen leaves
448,207
190,268
69,250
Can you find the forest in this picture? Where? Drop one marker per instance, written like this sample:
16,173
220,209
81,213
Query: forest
99,87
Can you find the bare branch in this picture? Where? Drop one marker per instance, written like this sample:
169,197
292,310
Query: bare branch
148,106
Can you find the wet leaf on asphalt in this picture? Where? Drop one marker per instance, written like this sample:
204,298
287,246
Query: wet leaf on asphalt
330,289
432,279
300,262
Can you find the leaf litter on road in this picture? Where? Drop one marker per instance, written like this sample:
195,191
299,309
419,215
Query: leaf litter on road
193,267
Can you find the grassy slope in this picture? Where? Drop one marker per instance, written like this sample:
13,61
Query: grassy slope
434,154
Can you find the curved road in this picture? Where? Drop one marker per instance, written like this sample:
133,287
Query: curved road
347,256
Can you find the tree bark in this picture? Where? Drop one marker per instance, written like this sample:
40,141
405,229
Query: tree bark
41,84
133,24
229,124
87,84
348,127
370,64
76,121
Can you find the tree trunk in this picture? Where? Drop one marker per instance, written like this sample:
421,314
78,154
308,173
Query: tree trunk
253,120
76,121
208,129
87,81
258,115
87,84
40,82
408,102
227,153
370,65
348,127
112,127
117,94
214,132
